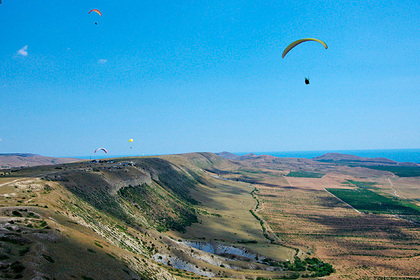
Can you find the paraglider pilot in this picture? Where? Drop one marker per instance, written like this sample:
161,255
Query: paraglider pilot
307,81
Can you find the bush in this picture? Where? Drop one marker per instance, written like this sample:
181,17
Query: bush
17,266
48,258
23,251
16,213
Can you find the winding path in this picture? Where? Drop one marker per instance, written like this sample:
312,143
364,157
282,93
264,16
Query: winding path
267,231
392,188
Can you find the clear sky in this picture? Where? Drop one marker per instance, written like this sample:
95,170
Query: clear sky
207,75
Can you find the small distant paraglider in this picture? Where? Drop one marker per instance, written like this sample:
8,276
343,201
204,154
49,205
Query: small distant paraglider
297,42
96,11
131,141
300,41
101,149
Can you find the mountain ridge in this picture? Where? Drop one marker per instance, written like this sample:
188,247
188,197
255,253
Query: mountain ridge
13,160
338,157
327,157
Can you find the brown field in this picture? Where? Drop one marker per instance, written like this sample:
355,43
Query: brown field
304,215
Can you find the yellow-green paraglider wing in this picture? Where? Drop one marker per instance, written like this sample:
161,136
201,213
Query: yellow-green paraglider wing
295,43
131,140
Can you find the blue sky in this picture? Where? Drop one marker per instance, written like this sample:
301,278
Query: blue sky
186,76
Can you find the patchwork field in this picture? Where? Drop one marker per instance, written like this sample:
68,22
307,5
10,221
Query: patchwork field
304,215
368,201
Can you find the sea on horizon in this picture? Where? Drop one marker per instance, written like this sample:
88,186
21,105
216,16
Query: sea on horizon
400,155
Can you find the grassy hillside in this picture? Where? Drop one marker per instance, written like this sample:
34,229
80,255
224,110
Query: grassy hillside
141,218
160,207
153,189
31,248
121,200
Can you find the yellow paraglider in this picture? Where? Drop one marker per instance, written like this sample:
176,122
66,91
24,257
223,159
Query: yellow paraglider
131,140
295,43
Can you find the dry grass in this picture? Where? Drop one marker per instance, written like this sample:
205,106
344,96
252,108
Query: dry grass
306,216
232,201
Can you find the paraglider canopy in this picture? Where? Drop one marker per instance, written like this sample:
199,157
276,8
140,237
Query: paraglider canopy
131,140
103,149
297,42
96,11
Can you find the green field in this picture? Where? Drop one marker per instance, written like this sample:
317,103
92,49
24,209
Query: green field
400,171
305,174
363,185
368,201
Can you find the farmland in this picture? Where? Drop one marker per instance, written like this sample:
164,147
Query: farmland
400,171
304,215
355,244
362,184
305,174
370,202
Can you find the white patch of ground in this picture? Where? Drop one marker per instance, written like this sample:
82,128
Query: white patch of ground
219,249
181,264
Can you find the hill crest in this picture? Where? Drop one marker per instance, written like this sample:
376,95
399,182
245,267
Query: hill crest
13,160
352,158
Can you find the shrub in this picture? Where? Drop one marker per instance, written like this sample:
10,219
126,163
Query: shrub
48,258
23,251
17,266
16,213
